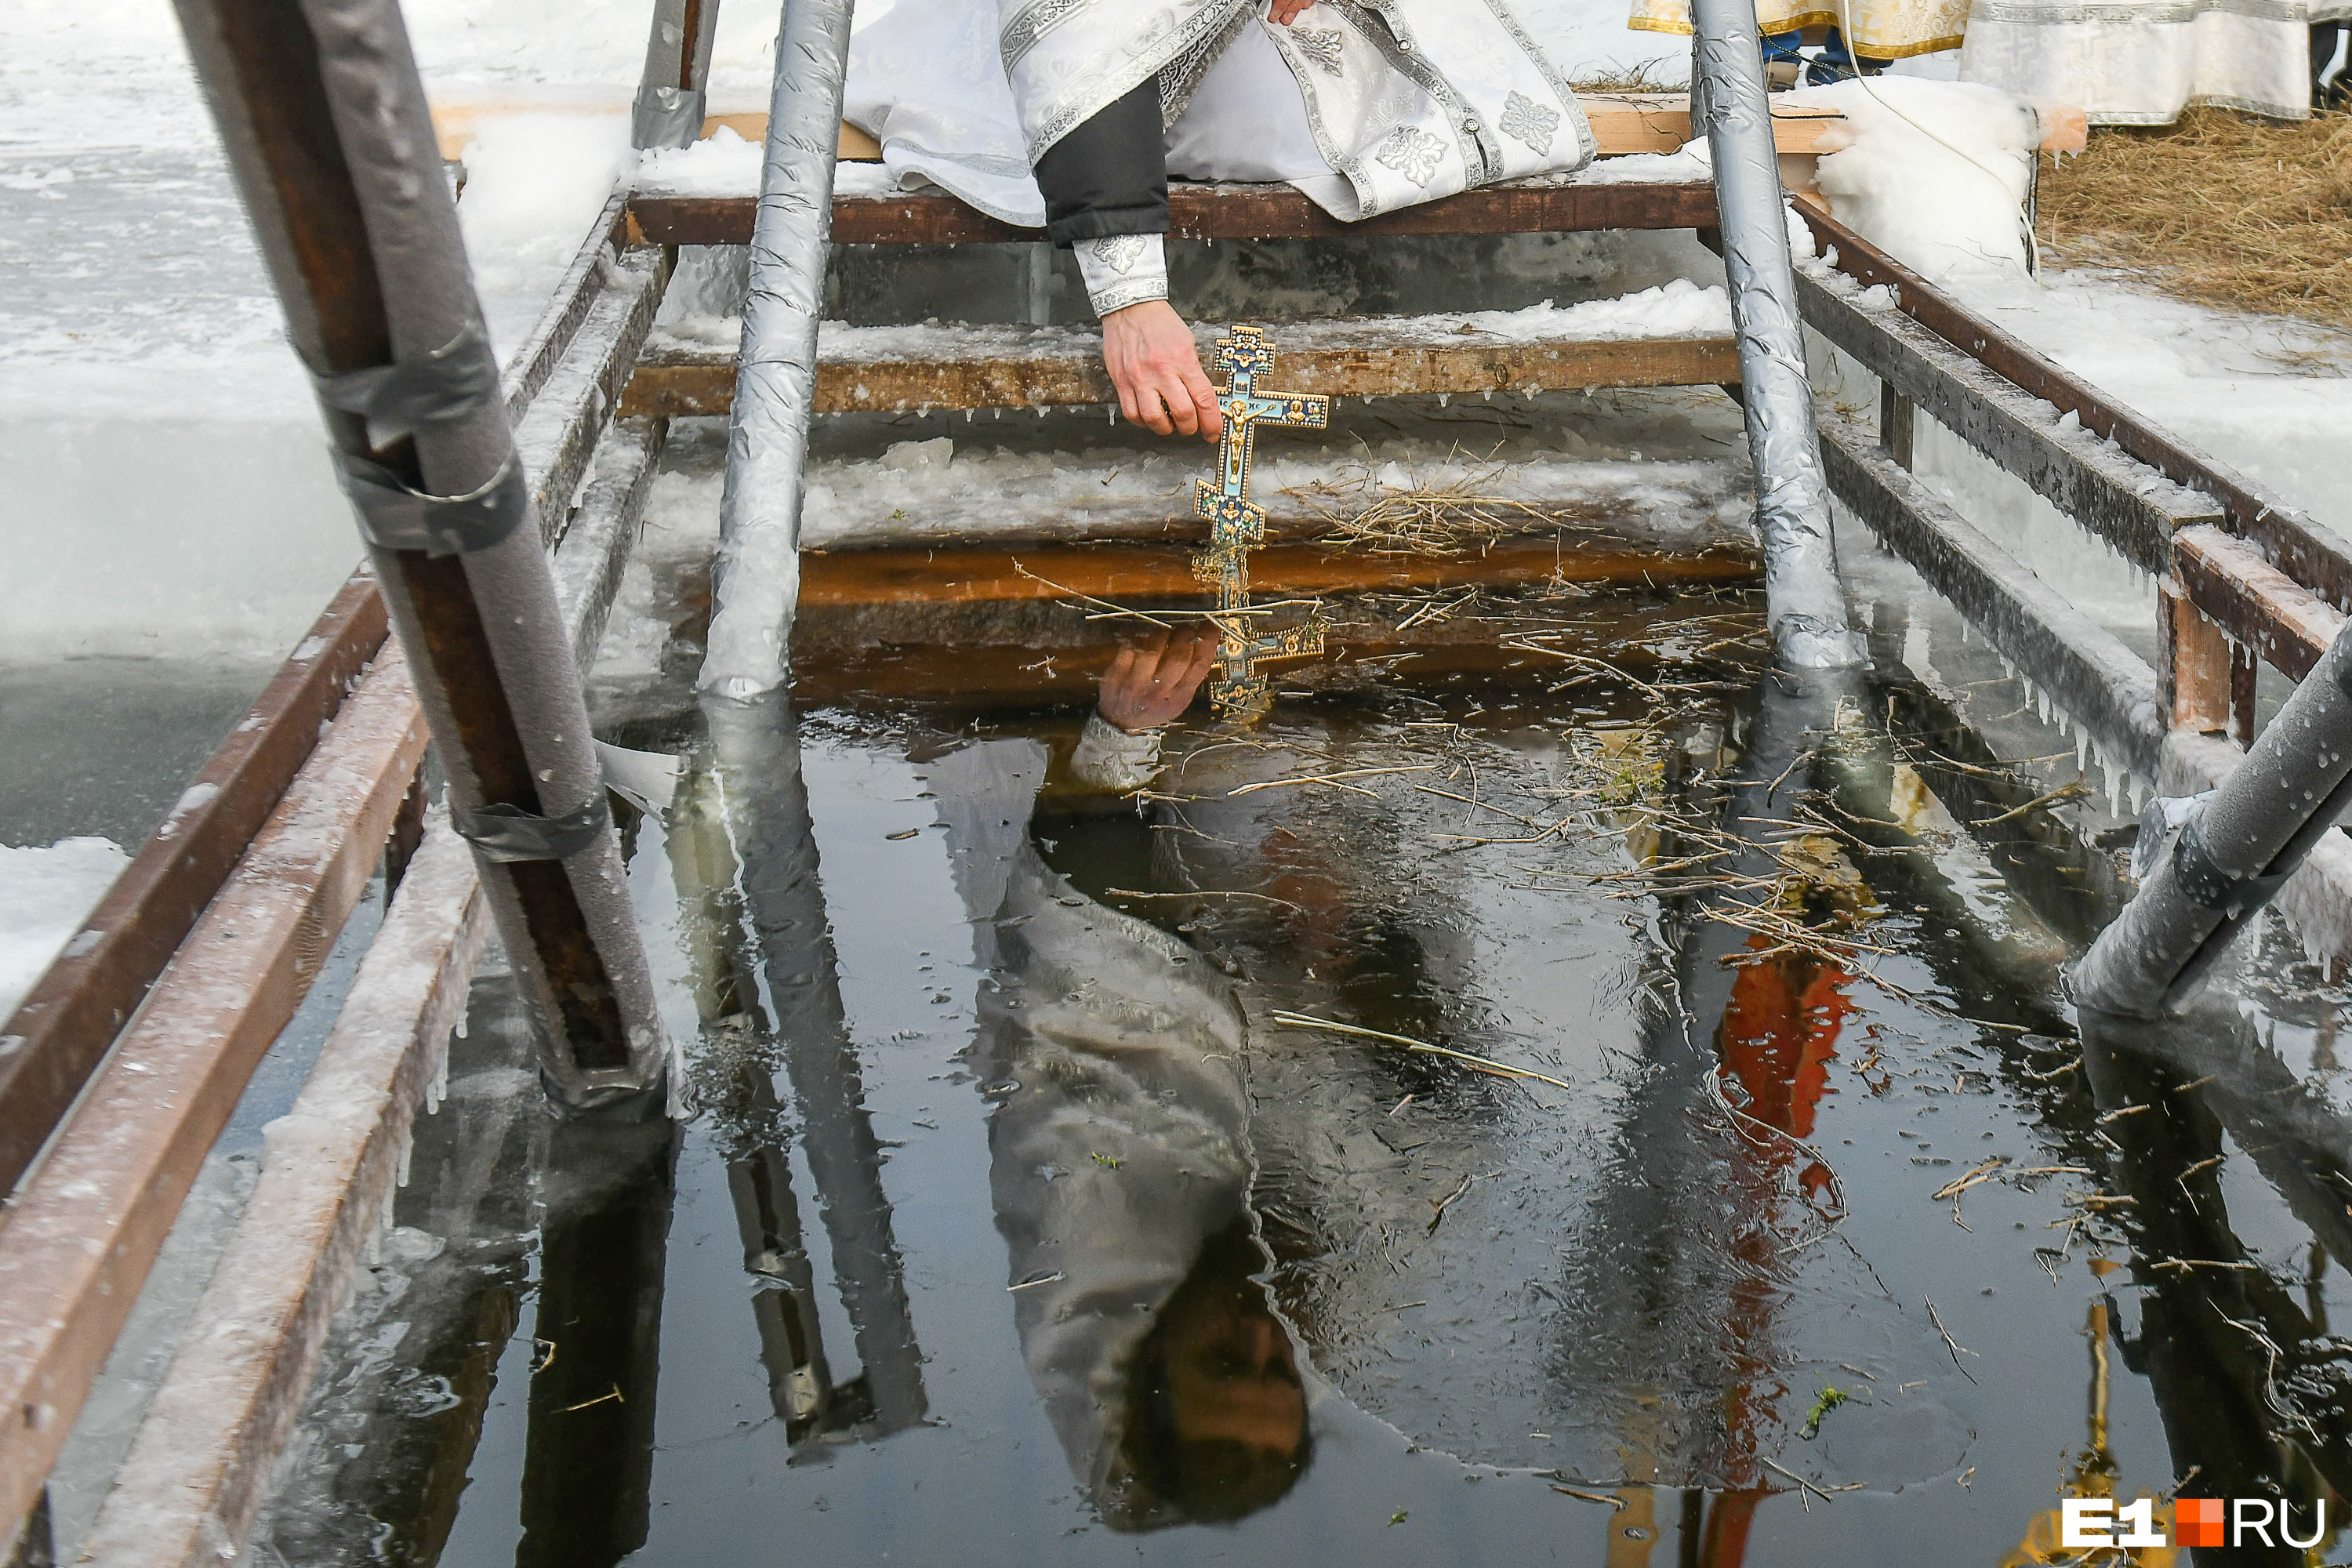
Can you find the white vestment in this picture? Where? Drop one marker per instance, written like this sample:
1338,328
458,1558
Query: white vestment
2141,62
1365,105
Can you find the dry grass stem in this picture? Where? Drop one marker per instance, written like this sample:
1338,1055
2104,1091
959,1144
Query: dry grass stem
2222,208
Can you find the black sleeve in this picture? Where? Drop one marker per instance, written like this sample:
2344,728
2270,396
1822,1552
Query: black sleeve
1108,175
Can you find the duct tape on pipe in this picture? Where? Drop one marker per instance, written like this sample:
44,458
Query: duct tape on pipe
666,117
402,398
2207,884
509,835
394,517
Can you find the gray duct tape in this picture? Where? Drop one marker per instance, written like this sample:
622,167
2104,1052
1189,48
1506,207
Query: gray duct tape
2205,884
437,388
666,117
394,517
508,833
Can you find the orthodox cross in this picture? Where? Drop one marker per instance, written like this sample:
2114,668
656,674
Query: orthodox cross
1236,527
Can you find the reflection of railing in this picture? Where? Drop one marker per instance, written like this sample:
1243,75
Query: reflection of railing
771,842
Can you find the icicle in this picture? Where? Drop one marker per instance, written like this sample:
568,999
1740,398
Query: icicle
2116,777
2042,706
968,415
2138,790
2082,754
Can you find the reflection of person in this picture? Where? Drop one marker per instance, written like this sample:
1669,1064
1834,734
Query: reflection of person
1119,1164
1070,115
1150,681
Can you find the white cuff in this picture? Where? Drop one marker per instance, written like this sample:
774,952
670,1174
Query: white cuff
1123,270
1109,758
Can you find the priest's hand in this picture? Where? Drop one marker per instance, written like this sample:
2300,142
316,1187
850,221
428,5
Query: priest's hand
1154,678
1149,351
1286,11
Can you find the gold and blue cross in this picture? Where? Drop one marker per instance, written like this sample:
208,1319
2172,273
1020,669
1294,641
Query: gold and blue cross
1237,526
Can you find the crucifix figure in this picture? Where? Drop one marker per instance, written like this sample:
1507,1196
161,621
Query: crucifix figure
1236,527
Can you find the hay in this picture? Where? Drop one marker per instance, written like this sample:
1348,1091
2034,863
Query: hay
2222,208
1468,512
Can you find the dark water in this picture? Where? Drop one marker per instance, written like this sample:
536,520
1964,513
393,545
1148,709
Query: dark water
1015,1228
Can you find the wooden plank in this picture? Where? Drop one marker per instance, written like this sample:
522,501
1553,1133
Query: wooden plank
2124,502
2307,552
63,1027
1159,574
596,548
2109,690
1008,367
2255,602
1207,212
84,1228
2197,663
201,1462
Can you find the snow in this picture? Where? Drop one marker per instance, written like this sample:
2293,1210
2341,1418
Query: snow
44,895
1934,173
139,320
2267,397
1677,309
533,184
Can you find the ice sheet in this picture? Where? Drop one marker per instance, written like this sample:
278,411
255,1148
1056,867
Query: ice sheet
44,894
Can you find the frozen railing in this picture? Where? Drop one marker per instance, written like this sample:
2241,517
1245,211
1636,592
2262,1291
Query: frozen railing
2242,578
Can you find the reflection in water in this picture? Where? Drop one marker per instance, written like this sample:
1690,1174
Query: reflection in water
2093,1474
1119,1170
751,825
1640,1287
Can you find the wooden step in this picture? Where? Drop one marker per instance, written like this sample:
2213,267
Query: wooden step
1203,212
1162,574
896,369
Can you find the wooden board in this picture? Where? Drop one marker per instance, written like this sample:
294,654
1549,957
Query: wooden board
1147,575
2260,605
199,1468
62,1028
1206,212
207,1448
84,1228
1001,370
